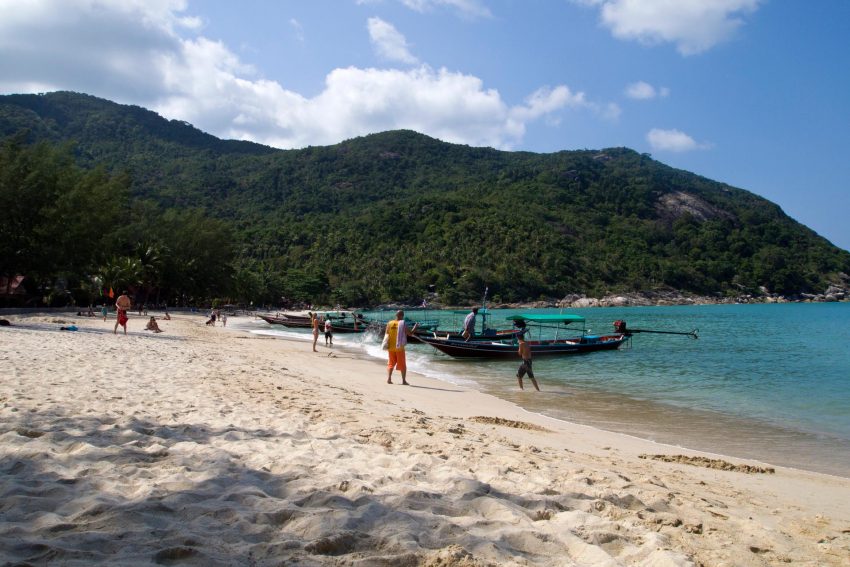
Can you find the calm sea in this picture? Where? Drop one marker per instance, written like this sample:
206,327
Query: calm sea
767,382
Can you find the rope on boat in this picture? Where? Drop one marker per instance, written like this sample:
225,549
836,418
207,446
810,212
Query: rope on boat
693,334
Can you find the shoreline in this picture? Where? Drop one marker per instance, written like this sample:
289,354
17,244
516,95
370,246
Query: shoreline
683,427
203,446
834,294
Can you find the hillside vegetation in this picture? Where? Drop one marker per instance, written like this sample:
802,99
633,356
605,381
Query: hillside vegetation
390,216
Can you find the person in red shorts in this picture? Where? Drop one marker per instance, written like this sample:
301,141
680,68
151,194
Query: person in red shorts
397,333
122,304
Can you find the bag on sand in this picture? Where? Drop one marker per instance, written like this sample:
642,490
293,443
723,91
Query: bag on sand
385,344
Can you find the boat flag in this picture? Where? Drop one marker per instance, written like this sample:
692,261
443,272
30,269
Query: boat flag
111,293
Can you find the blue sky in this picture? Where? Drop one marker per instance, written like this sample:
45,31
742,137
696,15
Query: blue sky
754,93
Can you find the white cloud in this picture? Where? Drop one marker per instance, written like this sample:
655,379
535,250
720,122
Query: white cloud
610,111
131,51
473,8
642,90
545,100
693,25
673,141
297,28
389,42
468,8
114,49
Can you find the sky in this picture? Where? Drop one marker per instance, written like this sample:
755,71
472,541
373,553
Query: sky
753,93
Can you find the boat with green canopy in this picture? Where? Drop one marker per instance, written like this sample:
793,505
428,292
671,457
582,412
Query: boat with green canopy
566,341
486,333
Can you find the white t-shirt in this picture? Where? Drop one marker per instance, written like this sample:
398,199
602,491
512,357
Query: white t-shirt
469,323
401,337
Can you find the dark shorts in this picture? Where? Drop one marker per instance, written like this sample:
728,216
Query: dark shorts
525,368
328,334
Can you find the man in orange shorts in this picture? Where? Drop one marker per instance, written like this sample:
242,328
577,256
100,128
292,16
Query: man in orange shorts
397,332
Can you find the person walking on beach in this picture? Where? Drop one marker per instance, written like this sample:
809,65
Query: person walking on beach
397,333
329,333
314,322
525,368
104,311
469,324
122,304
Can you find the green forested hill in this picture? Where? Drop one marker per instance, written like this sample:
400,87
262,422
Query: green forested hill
395,215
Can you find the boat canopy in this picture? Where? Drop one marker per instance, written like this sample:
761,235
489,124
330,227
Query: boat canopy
563,318
338,314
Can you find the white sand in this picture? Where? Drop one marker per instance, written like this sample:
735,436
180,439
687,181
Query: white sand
204,446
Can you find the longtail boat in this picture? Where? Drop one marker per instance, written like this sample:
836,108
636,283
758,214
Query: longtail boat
341,321
579,343
485,334
272,320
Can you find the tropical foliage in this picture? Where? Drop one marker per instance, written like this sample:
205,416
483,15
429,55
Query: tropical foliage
179,215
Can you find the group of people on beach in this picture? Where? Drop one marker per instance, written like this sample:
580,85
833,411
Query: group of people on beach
395,340
396,334
122,306
326,325
217,315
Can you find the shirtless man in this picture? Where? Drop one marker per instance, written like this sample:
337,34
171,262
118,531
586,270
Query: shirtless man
525,354
122,304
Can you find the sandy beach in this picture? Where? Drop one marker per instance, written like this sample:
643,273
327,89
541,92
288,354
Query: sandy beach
210,446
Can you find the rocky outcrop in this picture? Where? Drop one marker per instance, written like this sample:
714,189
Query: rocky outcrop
834,292
637,299
676,204
837,291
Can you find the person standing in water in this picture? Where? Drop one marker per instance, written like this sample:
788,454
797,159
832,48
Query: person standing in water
524,352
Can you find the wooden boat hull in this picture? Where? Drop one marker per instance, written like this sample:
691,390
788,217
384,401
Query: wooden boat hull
508,350
348,328
502,335
272,320
305,323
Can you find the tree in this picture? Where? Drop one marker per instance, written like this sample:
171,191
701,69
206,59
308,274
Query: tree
55,218
121,273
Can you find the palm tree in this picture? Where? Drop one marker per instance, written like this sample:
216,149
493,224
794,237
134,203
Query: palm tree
120,272
151,260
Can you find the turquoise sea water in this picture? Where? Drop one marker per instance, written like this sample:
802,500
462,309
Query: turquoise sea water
768,382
